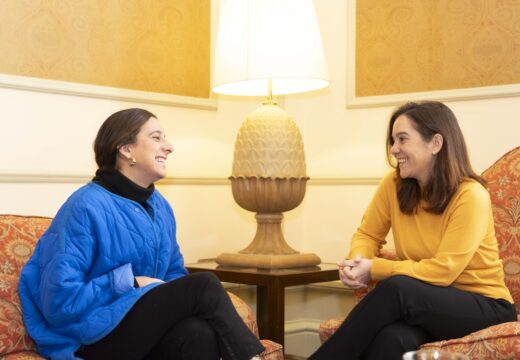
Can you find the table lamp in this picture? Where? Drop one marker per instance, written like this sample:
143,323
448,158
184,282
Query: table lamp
268,48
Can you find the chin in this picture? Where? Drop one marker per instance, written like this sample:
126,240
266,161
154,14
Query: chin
160,175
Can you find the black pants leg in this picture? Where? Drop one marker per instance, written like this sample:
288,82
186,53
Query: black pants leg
396,338
439,313
190,339
154,317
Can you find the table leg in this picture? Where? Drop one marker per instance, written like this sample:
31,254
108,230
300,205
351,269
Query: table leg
270,311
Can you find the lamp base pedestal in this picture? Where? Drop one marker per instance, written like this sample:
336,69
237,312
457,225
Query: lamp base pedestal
268,261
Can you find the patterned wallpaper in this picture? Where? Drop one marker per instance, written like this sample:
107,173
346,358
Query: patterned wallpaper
424,45
159,46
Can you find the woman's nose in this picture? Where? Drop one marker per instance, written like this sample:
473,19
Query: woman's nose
394,149
168,146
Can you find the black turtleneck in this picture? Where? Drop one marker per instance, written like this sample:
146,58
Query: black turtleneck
117,183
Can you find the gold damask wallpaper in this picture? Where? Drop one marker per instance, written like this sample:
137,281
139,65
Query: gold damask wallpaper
158,46
423,45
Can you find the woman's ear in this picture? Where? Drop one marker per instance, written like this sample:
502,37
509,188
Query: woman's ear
437,142
124,150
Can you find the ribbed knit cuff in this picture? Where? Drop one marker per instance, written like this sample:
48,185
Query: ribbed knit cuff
381,268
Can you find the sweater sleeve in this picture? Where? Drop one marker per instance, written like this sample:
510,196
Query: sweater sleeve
468,222
370,235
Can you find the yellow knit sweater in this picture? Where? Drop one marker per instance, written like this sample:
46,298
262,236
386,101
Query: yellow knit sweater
457,247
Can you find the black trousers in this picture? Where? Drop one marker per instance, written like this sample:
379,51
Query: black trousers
402,313
188,318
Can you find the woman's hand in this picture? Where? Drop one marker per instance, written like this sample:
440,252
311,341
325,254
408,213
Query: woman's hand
355,273
145,280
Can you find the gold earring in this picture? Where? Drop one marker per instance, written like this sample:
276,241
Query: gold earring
132,160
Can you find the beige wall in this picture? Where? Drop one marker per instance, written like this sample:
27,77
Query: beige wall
45,135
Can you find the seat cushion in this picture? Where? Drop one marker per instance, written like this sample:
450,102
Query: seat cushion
273,351
495,342
327,328
245,313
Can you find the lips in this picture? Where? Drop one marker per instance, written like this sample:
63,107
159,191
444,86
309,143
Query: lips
161,159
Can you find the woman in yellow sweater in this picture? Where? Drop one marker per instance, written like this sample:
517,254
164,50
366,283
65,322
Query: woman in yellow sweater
449,280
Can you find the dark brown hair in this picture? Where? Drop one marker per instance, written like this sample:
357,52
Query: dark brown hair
119,129
451,165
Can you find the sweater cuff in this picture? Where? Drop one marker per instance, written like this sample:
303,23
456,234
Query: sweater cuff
123,279
381,268
365,252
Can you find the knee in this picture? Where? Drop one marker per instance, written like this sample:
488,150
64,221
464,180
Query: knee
397,283
206,278
207,283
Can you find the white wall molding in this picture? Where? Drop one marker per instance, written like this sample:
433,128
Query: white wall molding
353,102
104,92
298,326
82,178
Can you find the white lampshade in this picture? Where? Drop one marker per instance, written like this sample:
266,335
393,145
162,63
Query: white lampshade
262,40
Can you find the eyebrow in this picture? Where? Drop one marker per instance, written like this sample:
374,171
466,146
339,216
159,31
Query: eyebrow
400,133
156,132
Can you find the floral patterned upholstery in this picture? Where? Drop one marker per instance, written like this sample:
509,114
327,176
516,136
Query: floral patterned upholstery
18,237
499,341
273,351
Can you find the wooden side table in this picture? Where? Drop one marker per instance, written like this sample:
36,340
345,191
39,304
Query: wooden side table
271,286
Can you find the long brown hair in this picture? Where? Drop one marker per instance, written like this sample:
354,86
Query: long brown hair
120,128
451,165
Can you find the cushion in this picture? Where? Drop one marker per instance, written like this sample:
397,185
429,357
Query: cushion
495,342
245,313
273,351
13,336
18,237
327,328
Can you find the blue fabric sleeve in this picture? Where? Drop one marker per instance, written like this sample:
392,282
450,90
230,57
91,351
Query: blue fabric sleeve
176,267
122,279
66,294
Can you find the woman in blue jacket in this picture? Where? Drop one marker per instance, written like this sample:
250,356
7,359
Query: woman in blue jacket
107,279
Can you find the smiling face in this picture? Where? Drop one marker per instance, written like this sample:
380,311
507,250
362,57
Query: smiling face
150,151
415,156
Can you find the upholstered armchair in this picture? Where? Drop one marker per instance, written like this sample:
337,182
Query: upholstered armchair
18,237
499,341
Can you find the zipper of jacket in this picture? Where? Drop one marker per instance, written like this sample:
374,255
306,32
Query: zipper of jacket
156,239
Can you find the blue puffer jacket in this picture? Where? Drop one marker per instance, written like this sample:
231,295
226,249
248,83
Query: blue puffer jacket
78,284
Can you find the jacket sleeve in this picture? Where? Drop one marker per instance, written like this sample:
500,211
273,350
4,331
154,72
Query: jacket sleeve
370,235
65,293
469,221
176,267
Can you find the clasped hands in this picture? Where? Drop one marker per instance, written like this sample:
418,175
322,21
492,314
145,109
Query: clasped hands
355,273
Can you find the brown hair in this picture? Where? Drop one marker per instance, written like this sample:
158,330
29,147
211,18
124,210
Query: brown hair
119,129
451,166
